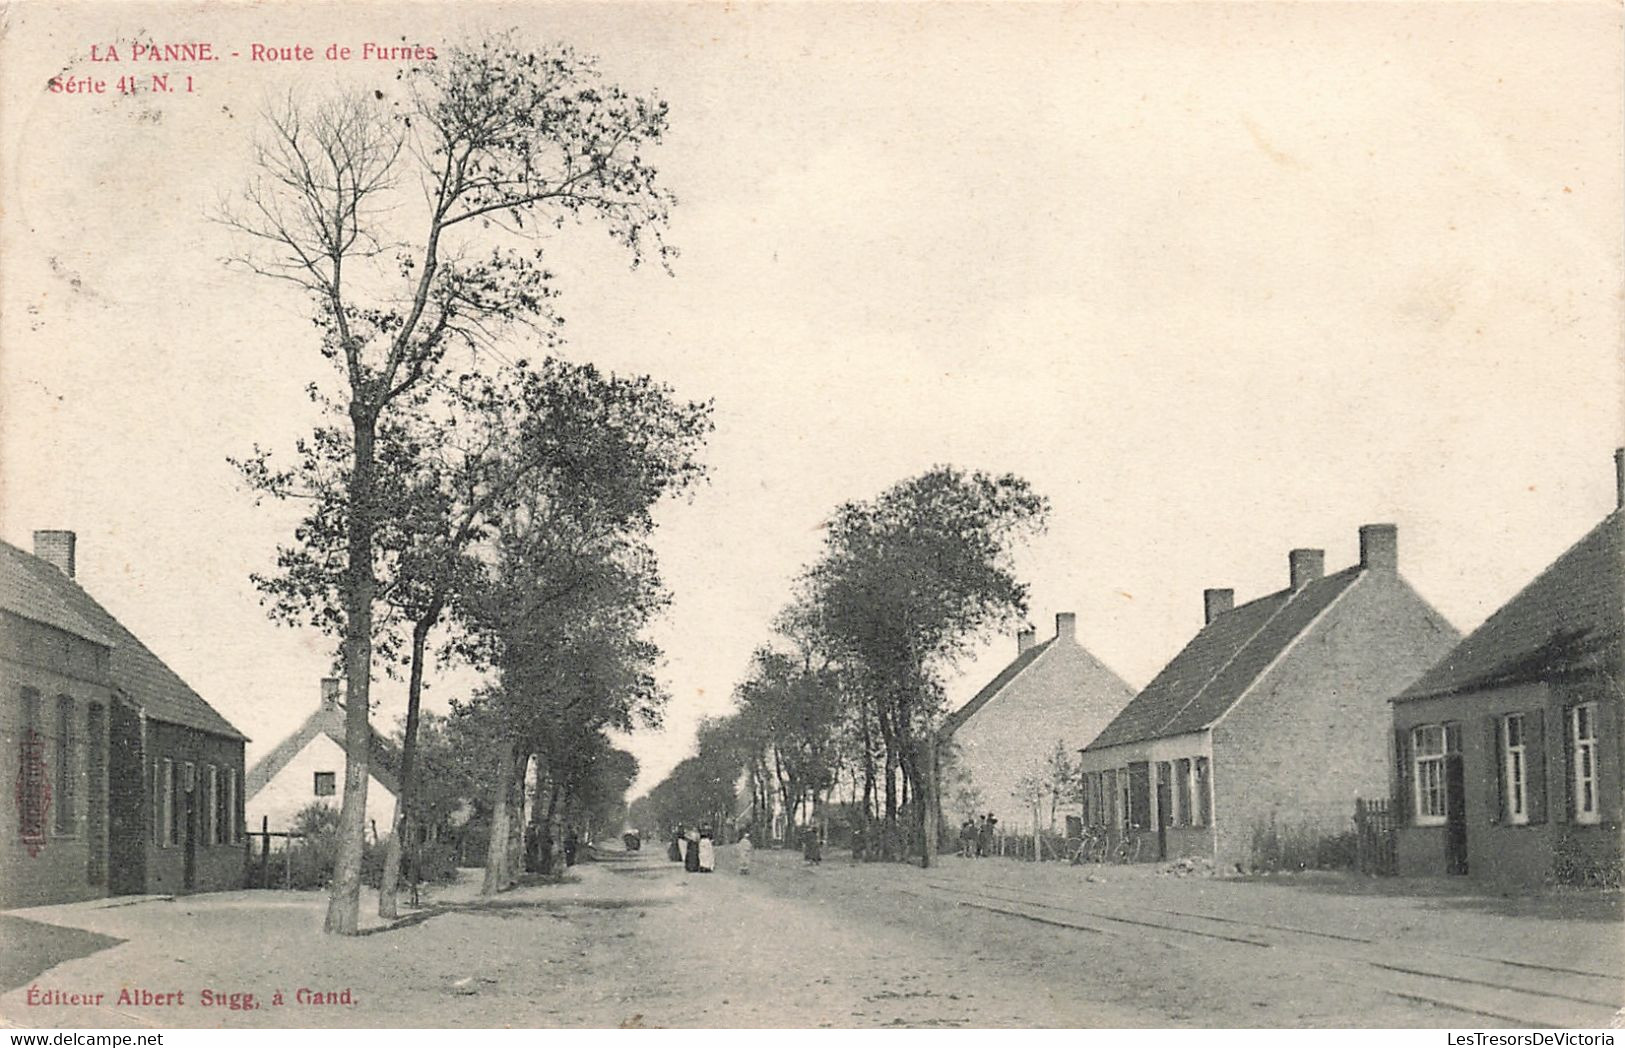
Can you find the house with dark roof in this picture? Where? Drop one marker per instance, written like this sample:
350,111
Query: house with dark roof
1509,750
307,768
1254,742
1054,692
126,780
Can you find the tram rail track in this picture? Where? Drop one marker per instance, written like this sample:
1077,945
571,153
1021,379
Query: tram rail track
1518,992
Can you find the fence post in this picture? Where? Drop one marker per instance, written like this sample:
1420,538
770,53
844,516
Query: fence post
265,851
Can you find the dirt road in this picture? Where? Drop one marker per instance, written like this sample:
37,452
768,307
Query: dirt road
636,941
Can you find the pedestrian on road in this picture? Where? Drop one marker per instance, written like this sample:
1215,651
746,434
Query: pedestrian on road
691,851
675,851
810,850
967,839
708,851
745,848
984,837
571,843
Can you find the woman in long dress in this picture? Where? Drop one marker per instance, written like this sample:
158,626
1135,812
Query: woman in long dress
691,851
708,851
745,847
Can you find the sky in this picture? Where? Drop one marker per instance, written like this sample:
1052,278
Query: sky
1219,280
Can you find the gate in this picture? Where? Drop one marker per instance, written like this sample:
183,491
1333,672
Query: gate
1374,837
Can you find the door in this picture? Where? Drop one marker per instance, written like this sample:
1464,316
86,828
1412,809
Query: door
1165,806
1455,812
1139,795
128,797
96,806
189,824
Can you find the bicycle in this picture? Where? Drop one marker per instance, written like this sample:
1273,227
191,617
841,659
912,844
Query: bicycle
1091,847
1129,848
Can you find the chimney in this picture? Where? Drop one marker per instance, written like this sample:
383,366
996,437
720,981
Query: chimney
1216,602
1066,625
1305,566
1025,638
56,548
1379,547
330,693
1619,478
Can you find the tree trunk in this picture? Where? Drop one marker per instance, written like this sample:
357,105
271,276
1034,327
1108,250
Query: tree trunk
928,803
344,905
389,886
496,850
549,828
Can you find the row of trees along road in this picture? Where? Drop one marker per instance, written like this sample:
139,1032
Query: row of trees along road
850,690
454,490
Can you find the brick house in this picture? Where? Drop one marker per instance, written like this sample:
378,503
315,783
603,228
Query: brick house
127,782
1252,744
1509,751
1051,692
307,768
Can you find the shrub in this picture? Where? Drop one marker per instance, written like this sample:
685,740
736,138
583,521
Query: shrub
1304,846
1577,866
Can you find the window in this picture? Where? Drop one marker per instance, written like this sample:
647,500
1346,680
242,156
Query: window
325,783
1514,769
1125,800
1100,798
32,785
209,804
1427,759
1182,791
62,766
31,712
166,809
1583,740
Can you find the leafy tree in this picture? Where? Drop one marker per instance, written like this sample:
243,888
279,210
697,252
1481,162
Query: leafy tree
479,152
905,585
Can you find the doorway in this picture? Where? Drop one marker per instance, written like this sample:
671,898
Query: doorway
127,795
96,810
1165,806
189,825
1455,811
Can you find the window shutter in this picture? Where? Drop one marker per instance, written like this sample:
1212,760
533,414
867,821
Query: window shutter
1497,780
1204,786
1402,782
1534,764
1610,794
1565,811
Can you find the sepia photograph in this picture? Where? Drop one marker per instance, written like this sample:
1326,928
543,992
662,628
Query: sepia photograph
812,516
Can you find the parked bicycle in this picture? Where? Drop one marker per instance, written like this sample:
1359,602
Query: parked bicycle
1091,847
1129,848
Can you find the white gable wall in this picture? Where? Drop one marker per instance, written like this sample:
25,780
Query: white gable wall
294,787
1065,694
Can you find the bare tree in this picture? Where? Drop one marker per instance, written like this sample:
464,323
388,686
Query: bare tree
411,221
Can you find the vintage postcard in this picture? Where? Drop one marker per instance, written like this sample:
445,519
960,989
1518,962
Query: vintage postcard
812,515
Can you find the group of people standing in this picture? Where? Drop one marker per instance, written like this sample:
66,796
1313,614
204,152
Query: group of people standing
976,837
696,849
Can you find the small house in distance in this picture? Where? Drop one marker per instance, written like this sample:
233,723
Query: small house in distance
126,780
1051,692
1251,746
307,768
1509,751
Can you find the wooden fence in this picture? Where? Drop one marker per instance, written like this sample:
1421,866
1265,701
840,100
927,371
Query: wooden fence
260,877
